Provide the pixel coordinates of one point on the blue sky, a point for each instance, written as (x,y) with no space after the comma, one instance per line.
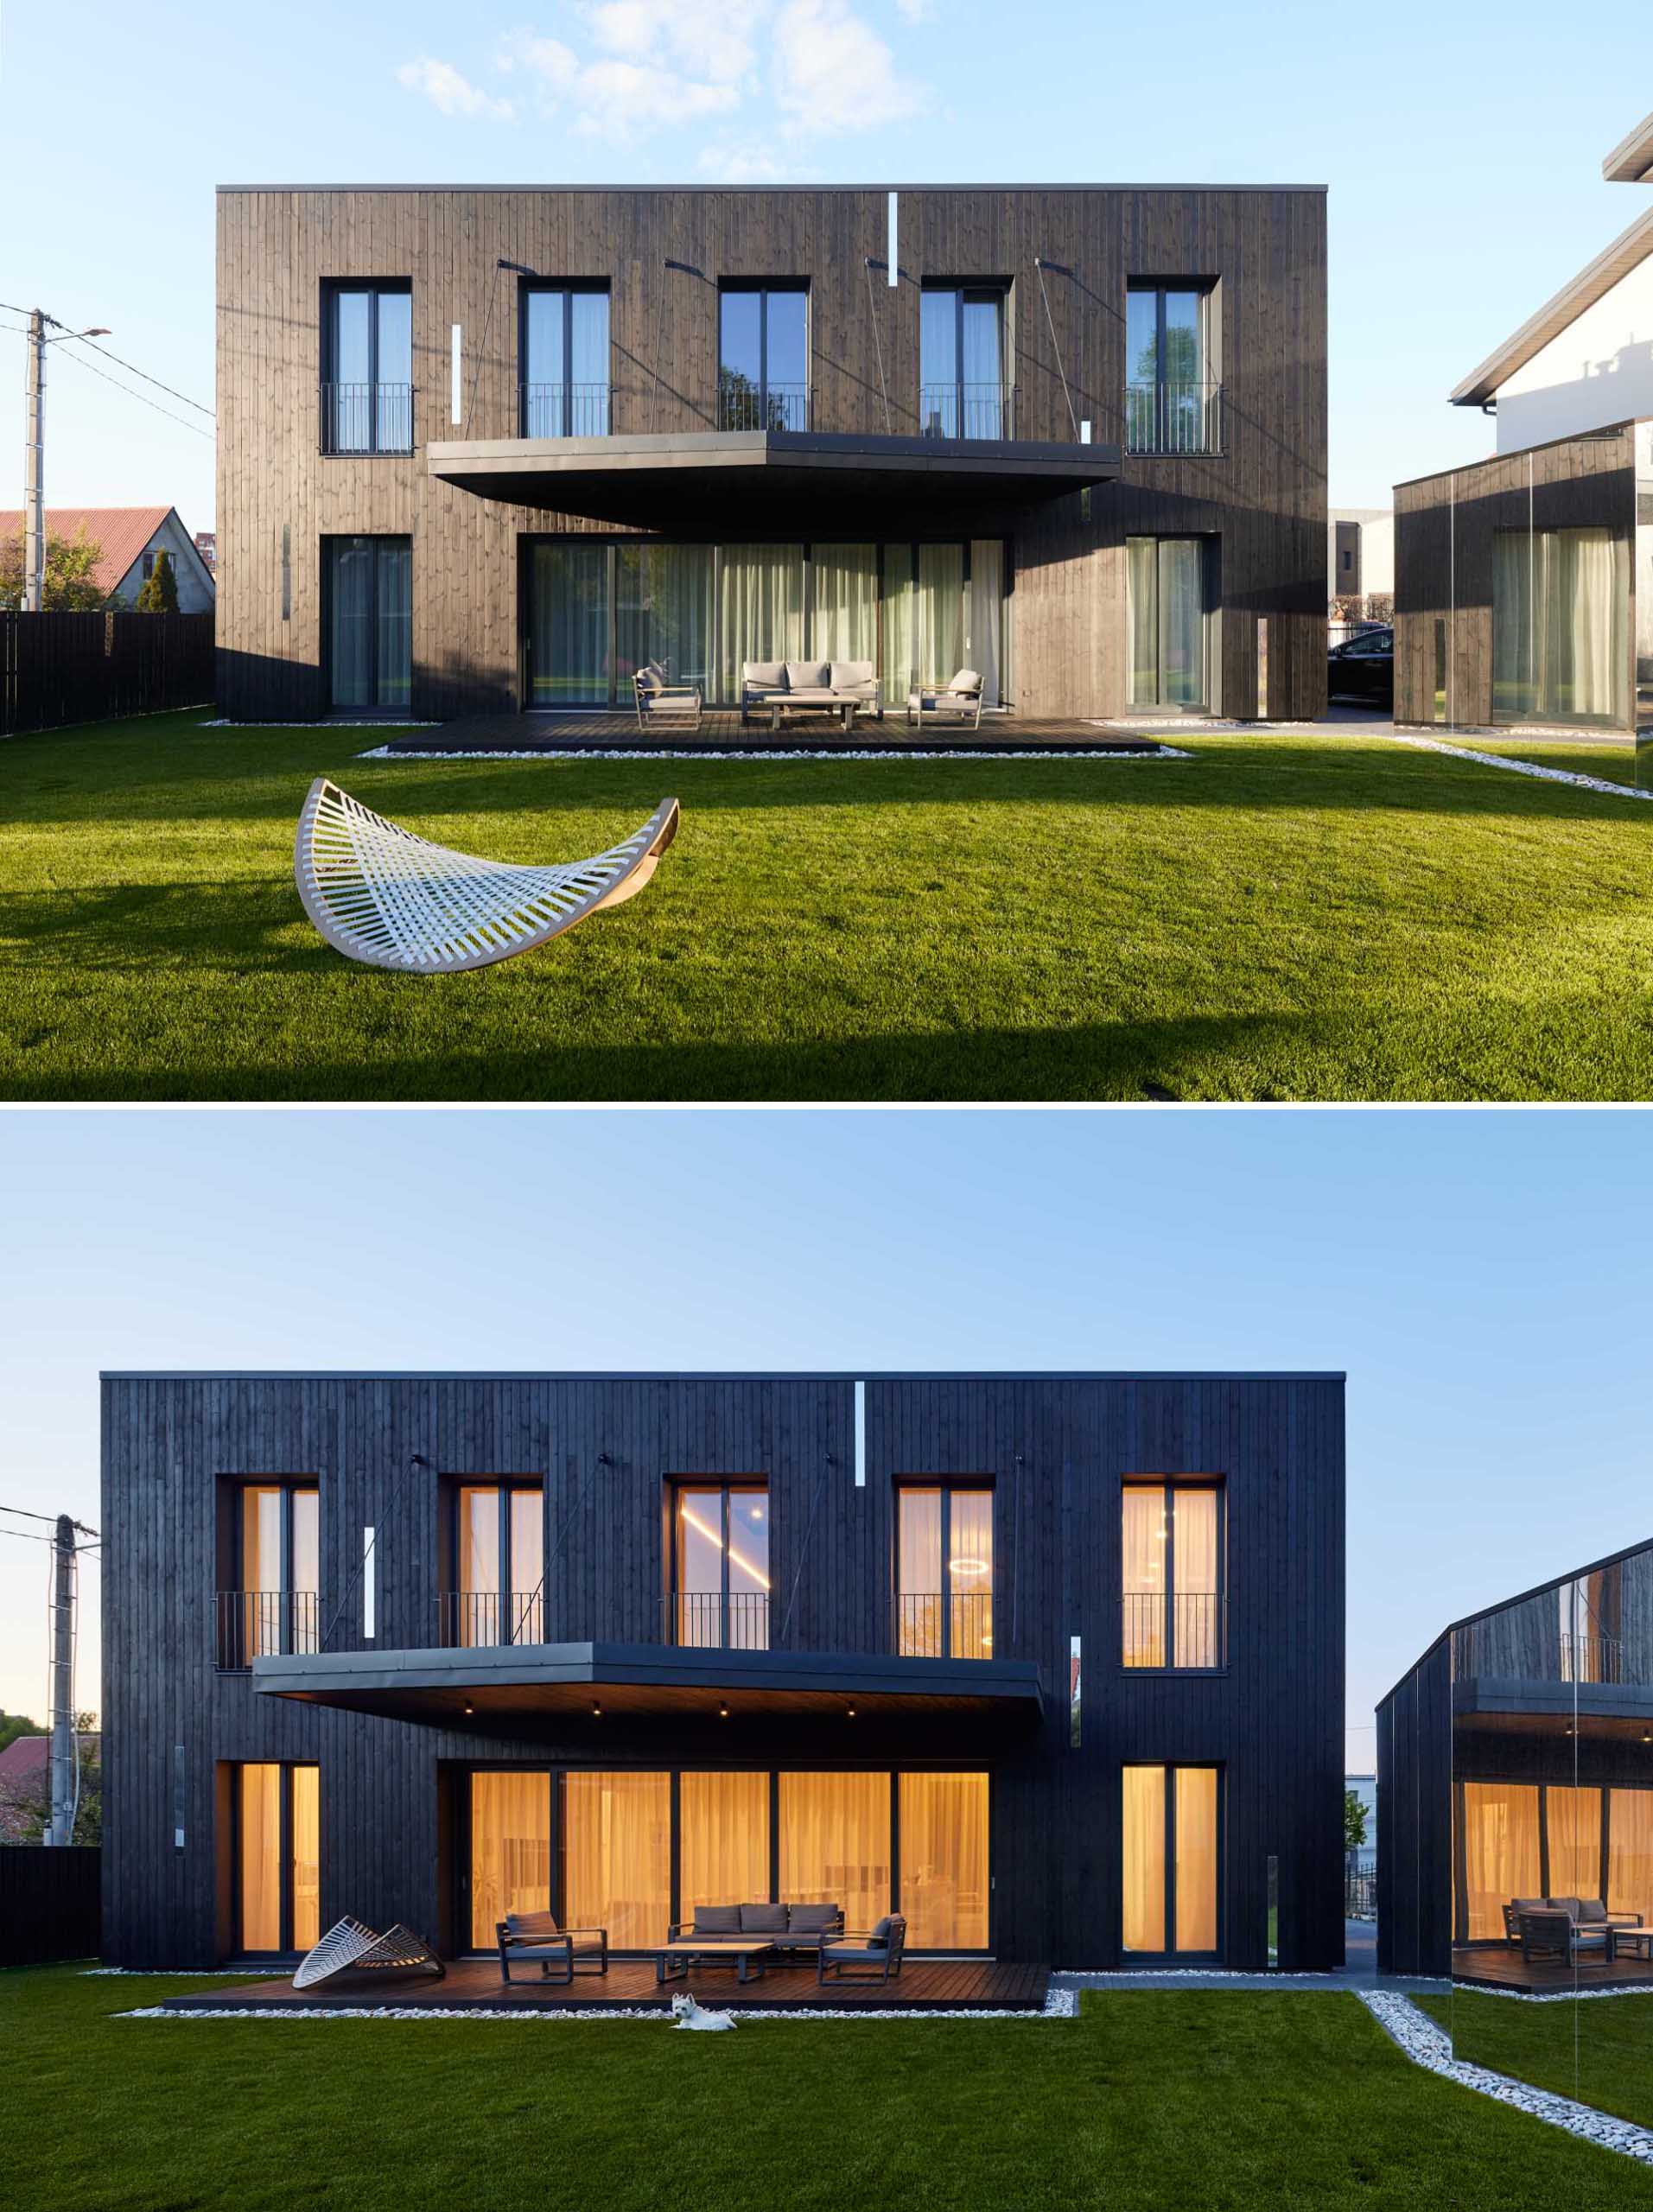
(1463,153)
(1483,1276)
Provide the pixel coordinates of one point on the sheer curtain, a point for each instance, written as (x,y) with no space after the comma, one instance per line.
(511,1849)
(844,602)
(664,611)
(1142,1575)
(351,643)
(1629,1851)
(970,1574)
(1560,628)
(1142,619)
(835,1843)
(944,1861)
(941,611)
(304,1577)
(306,1857)
(1143,1916)
(260,1884)
(617,1855)
(1500,1851)
(1195,1858)
(1514,689)
(760,608)
(1182,621)
(525,1615)
(1574,1817)
(568,618)
(1194,1602)
(897,672)
(395,684)
(722,1840)
(984,645)
(919,1569)
(260,1571)
(478,1595)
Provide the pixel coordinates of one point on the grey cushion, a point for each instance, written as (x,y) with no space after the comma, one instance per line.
(1568,1905)
(763,1920)
(808,675)
(851,675)
(763,674)
(811,1919)
(1593,1909)
(717,1920)
(880,1938)
(532,1927)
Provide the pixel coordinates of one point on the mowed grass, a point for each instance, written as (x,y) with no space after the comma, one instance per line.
(1615,763)
(1290,917)
(1600,2050)
(1207,2101)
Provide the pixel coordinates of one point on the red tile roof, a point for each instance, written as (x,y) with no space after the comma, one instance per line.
(25,1761)
(122,533)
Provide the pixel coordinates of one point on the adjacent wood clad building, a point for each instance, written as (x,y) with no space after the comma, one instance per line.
(1255,1714)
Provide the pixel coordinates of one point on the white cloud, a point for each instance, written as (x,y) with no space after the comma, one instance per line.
(614,99)
(916,11)
(738,165)
(444,87)
(712,40)
(833,72)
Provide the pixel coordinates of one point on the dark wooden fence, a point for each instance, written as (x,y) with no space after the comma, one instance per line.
(51,1900)
(57,669)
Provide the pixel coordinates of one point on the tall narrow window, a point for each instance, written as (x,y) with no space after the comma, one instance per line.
(1166,622)
(1173,1600)
(1170,1847)
(564,353)
(763,365)
(1170,401)
(944,1819)
(498,1557)
(944,1571)
(963,388)
(616,1833)
(719,1593)
(276,1832)
(511,1849)
(276,1543)
(367,368)
(369,624)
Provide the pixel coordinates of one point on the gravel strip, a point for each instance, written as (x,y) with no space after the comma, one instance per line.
(704,752)
(1526,767)
(1059,2004)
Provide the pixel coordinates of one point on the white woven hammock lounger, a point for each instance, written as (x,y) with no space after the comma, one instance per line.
(380,895)
(351,1947)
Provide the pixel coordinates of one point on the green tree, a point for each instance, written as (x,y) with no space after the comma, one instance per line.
(71,585)
(13,1724)
(1354,1821)
(160,593)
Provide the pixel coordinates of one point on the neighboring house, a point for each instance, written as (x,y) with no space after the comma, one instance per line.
(207,546)
(612,1644)
(130,538)
(1514,1762)
(1078,446)
(26,1784)
(1360,558)
(1525,582)
(1364,1857)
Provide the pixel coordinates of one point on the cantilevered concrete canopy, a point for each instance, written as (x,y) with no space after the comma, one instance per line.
(784,478)
(509,1684)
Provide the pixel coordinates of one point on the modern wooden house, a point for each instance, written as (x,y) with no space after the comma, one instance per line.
(1515,1766)
(1052,1665)
(486,449)
(1524,583)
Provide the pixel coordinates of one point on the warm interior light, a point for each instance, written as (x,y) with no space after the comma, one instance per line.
(968,1565)
(850,1713)
(736,1559)
(596,1712)
(470,1709)
(722,1712)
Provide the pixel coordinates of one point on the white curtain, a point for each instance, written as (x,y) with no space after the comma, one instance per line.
(898,670)
(664,611)
(1500,1851)
(1196,1859)
(835,1843)
(1629,1851)
(844,602)
(984,647)
(1142,619)
(941,611)
(307,1858)
(1143,1900)
(722,1840)
(760,608)
(511,1849)
(260,1884)
(1194,1639)
(1561,625)
(944,1861)
(1142,1542)
(569,616)
(617,1856)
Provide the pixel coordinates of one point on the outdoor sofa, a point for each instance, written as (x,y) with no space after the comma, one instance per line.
(873,1957)
(1562,1928)
(801,1927)
(810,687)
(561,1952)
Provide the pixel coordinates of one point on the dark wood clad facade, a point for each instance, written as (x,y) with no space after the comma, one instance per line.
(1056,1449)
(1444,531)
(663,254)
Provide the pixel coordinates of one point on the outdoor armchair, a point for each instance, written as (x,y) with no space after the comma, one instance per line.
(660,699)
(537,1935)
(960,696)
(1554,1933)
(873,1957)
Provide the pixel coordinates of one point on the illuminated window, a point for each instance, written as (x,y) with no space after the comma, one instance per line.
(944,1571)
(277,1846)
(719,1591)
(498,1555)
(1173,1600)
(1169,1838)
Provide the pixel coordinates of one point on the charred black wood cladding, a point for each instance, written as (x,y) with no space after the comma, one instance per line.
(1056,1449)
(663,254)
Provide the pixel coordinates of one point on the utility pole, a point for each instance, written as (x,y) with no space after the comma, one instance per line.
(65,1752)
(34,466)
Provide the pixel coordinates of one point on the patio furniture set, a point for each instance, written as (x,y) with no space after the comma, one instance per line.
(1566,1929)
(783,689)
(747,1937)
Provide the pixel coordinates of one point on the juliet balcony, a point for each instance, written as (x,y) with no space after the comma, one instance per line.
(1174,418)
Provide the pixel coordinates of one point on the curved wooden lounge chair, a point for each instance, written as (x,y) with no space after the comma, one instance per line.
(380,895)
(351,1947)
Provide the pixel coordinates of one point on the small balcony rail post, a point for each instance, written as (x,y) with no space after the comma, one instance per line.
(1196,1626)
(1174,418)
(471,1619)
(255,1623)
(707,1620)
(742,406)
(966,411)
(564,410)
(366,418)
(944,1624)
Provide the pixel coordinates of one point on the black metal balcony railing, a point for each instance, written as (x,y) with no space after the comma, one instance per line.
(1187,1629)
(1174,418)
(1592,1659)
(706,1620)
(366,418)
(253,1624)
(763,407)
(944,1625)
(565,410)
(470,1617)
(966,411)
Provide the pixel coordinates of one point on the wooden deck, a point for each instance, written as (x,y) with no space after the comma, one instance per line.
(473,1985)
(1498,1967)
(722,731)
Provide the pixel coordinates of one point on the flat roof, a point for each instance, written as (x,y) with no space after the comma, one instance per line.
(702,190)
(1631,159)
(721,1374)
(1628,250)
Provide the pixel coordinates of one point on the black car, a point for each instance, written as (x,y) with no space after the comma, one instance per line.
(1363,667)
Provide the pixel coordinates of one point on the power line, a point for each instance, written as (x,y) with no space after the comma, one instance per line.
(24,1512)
(141,397)
(148,378)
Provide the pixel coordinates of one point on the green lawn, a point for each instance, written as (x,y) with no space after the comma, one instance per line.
(1600,2051)
(1316,916)
(1616,763)
(1193,2102)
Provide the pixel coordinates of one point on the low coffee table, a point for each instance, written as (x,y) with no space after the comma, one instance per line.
(673,1961)
(1629,1942)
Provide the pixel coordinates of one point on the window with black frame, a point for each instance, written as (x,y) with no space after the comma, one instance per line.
(273,1531)
(275,1887)
(763,357)
(944,1570)
(964,388)
(370,622)
(718,1595)
(498,1549)
(367,369)
(1172,401)
(565,361)
(1172,1581)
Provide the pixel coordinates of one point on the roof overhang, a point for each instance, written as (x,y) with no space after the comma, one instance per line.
(1631,159)
(785,478)
(547,1684)
(1628,250)
(1525,1706)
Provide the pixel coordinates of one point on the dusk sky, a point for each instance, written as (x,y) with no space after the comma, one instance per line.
(1482,1277)
(1463,155)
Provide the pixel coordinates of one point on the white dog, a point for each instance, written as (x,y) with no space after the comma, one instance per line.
(688,2014)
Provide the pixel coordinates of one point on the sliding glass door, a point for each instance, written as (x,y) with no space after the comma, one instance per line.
(568,641)
(1165,608)
(664,613)
(1560,626)
(759,609)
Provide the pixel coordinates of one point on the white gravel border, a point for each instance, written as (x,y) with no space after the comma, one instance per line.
(1525,767)
(377,721)
(702,752)
(1430,2046)
(1059,2004)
